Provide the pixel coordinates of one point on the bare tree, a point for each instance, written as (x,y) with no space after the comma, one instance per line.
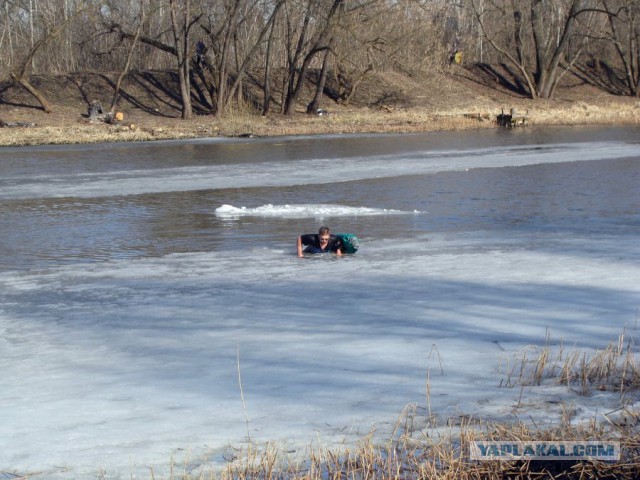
(314,105)
(226,50)
(7,36)
(266,88)
(535,36)
(21,73)
(624,21)
(180,31)
(177,46)
(237,32)
(243,61)
(351,56)
(372,37)
(310,42)
(275,44)
(124,71)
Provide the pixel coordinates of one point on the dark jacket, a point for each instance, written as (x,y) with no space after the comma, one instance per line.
(311,243)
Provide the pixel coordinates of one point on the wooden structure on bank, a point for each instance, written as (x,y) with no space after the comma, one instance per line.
(512,119)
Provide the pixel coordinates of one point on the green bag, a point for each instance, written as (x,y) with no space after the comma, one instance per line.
(350,242)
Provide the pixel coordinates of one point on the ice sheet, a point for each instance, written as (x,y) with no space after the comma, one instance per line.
(125,364)
(297,172)
(113,367)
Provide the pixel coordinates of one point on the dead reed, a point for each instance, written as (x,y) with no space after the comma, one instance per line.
(614,368)
(429,455)
(441,452)
(419,449)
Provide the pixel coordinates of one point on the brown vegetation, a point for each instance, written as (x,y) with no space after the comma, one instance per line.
(421,449)
(460,98)
(375,66)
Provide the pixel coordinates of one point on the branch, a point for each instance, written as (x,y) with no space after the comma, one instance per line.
(21,71)
(517,64)
(126,66)
(117,28)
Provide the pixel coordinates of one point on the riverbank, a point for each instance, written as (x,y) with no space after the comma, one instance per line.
(395,104)
(341,122)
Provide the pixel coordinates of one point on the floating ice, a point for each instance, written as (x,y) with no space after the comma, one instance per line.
(304,211)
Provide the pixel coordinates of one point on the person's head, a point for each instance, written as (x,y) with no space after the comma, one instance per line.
(323,235)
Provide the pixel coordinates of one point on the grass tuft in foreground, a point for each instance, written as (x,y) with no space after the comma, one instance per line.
(419,449)
(444,457)
(444,453)
(614,368)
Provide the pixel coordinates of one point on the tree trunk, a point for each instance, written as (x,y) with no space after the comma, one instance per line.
(116,91)
(241,68)
(266,103)
(46,106)
(294,75)
(518,31)
(322,41)
(181,39)
(7,30)
(547,58)
(540,43)
(223,68)
(186,65)
(314,105)
(32,15)
(296,89)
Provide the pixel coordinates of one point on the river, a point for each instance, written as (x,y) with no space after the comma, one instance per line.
(138,280)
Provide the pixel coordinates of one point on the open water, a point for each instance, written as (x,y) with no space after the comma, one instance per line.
(66,204)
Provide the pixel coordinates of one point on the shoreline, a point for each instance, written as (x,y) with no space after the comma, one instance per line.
(71,128)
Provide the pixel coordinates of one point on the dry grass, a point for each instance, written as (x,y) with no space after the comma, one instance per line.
(353,121)
(343,121)
(388,102)
(427,455)
(614,368)
(585,113)
(442,452)
(417,450)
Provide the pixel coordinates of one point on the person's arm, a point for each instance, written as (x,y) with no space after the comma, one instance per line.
(299,244)
(338,247)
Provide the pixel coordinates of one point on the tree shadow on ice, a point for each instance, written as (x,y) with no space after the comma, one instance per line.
(175,334)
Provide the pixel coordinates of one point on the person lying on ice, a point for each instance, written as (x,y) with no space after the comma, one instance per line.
(323,242)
